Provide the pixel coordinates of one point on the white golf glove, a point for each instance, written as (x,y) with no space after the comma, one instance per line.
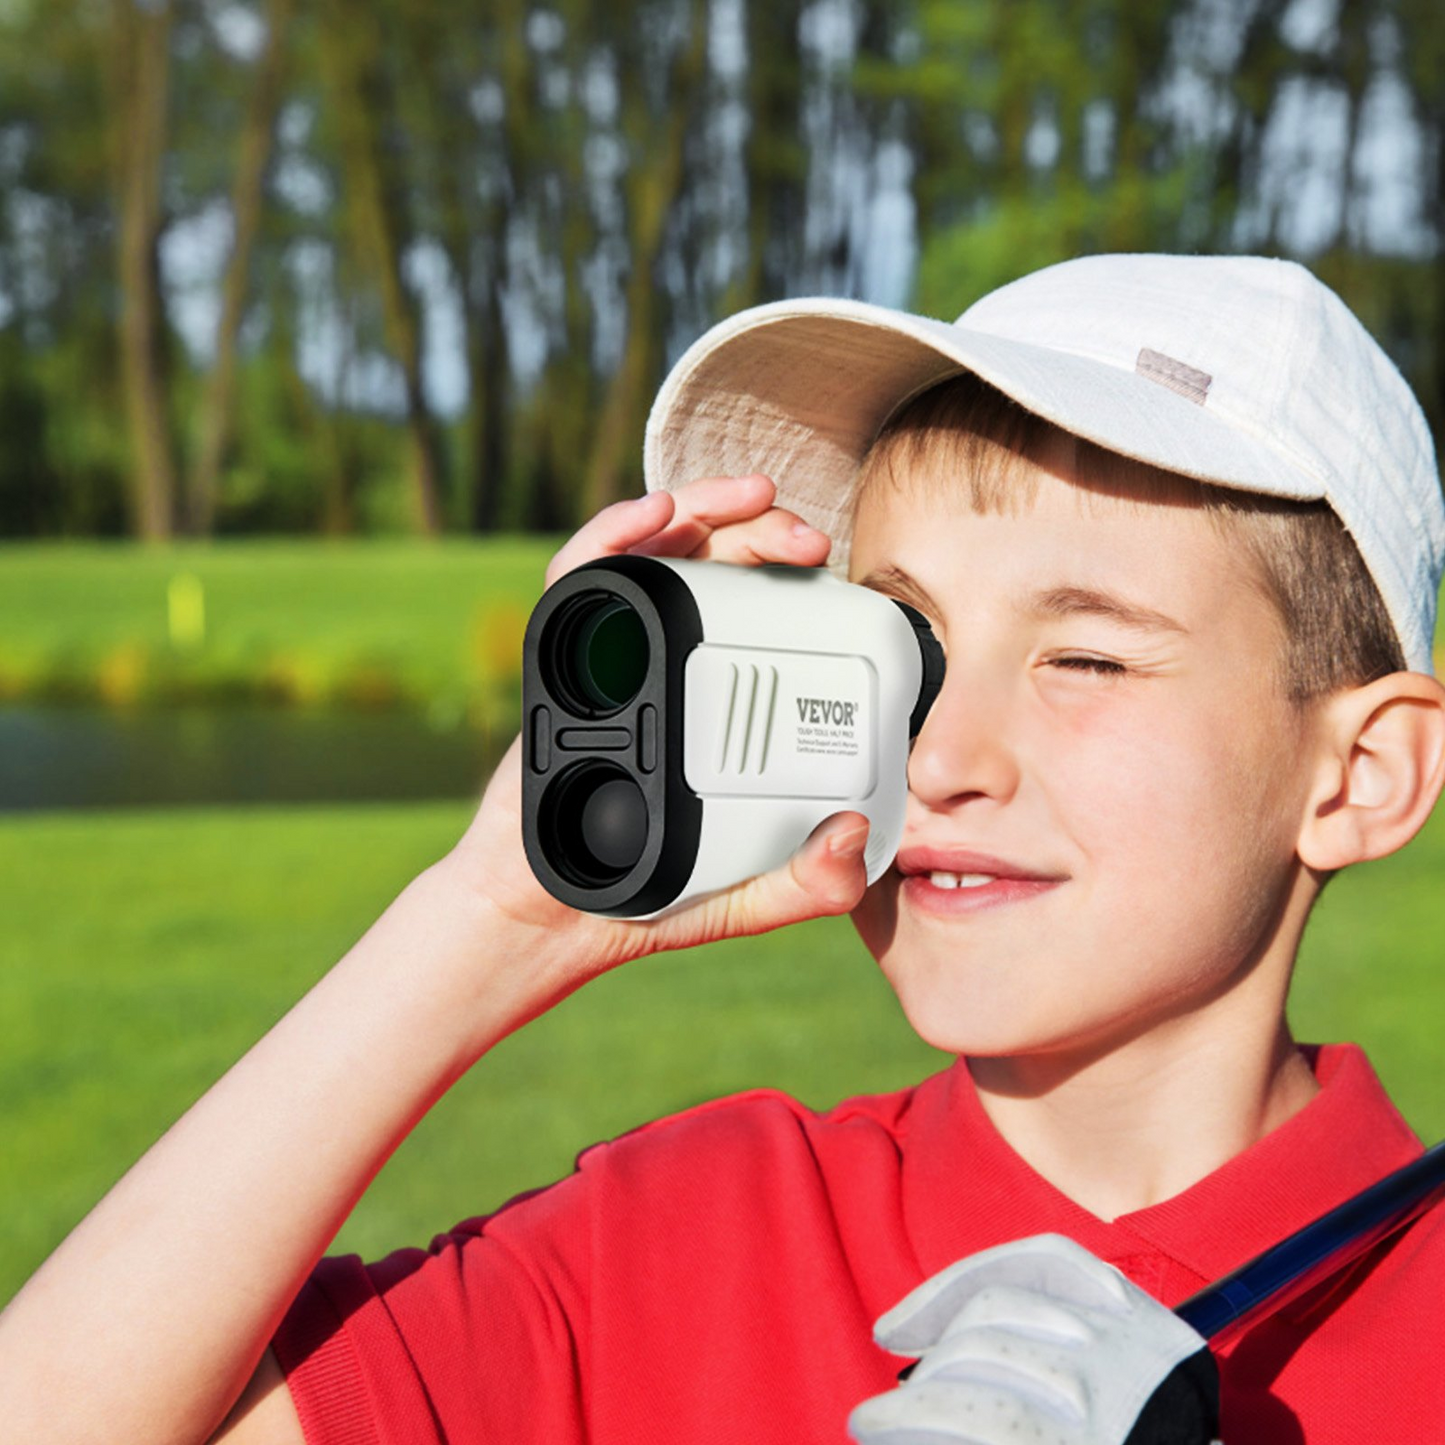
(1038,1342)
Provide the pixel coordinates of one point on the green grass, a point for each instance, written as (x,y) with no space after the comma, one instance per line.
(1372,969)
(301,621)
(143,952)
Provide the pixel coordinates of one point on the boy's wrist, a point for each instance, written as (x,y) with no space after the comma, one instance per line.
(499,970)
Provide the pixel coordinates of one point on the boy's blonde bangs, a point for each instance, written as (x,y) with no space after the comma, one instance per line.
(965,436)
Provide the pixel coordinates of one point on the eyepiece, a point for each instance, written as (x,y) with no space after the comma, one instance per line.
(596,653)
(594,824)
(933,666)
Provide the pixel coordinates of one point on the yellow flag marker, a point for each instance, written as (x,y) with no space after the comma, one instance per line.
(186,611)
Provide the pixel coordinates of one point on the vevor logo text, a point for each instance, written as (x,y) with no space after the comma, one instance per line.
(826,710)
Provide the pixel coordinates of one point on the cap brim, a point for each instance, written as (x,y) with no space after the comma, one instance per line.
(799,390)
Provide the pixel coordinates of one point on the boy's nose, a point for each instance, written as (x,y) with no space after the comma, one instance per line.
(963,748)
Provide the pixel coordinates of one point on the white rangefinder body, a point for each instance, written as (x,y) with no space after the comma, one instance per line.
(768,699)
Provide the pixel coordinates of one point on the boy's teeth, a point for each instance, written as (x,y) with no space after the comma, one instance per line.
(960,880)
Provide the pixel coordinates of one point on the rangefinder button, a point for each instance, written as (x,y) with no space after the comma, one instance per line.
(647,738)
(541,739)
(594,740)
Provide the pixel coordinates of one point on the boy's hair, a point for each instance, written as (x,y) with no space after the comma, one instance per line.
(969,436)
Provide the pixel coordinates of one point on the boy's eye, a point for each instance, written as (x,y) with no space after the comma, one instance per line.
(1077,663)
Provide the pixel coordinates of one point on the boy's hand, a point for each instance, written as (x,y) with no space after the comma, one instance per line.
(724,519)
(1038,1340)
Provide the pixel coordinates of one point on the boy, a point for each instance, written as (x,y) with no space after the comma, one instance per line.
(1160,733)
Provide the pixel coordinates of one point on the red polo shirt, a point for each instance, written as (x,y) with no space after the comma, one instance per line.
(714,1277)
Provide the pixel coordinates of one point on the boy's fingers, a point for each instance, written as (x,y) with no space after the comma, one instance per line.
(720,519)
(668,524)
(612,531)
(706,504)
(776,536)
(716,501)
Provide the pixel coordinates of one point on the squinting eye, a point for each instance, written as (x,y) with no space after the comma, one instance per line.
(1091,664)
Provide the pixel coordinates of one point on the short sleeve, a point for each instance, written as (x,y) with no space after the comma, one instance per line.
(710,1277)
(479,1337)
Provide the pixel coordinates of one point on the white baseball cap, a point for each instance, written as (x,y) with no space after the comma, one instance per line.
(1238,370)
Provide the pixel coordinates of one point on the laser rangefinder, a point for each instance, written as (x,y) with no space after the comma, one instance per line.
(687,724)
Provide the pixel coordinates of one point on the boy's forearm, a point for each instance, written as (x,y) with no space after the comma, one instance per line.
(146,1323)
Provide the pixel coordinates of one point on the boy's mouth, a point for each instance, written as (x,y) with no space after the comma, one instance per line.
(950,881)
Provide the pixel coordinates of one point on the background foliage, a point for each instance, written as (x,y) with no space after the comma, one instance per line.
(326,266)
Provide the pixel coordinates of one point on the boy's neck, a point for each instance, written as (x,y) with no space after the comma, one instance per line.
(1128,1128)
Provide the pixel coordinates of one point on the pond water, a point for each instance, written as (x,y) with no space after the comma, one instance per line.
(84,757)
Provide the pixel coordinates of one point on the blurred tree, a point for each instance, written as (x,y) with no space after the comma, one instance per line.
(1412,29)
(57,275)
(437,274)
(656,121)
(542,236)
(30,496)
(252,154)
(139,88)
(1038,136)
(776,164)
(353,43)
(450,93)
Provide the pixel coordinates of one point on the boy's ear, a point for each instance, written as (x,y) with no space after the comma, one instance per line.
(1381,751)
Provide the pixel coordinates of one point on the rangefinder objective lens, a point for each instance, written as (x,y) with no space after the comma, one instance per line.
(594,824)
(614,824)
(597,654)
(611,657)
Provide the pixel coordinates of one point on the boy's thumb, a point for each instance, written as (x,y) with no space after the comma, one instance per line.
(826,875)
(829,867)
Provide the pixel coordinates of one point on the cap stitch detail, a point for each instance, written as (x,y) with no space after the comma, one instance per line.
(1186,381)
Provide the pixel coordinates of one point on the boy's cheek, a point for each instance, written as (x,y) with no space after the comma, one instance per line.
(1117,769)
(876,916)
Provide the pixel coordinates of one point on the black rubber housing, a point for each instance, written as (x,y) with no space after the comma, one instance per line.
(933,665)
(673,625)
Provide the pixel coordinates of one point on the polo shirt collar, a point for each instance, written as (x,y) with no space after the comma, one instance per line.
(966,1189)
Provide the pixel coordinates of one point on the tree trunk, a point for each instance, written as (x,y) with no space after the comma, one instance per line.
(541,148)
(473,233)
(489,368)
(480,284)
(219,402)
(353,65)
(654,185)
(139,78)
(775,163)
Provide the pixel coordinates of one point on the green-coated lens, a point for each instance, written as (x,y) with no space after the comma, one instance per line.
(609,657)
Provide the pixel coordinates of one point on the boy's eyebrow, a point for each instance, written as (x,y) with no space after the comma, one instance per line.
(912,589)
(1091,602)
(1048,602)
